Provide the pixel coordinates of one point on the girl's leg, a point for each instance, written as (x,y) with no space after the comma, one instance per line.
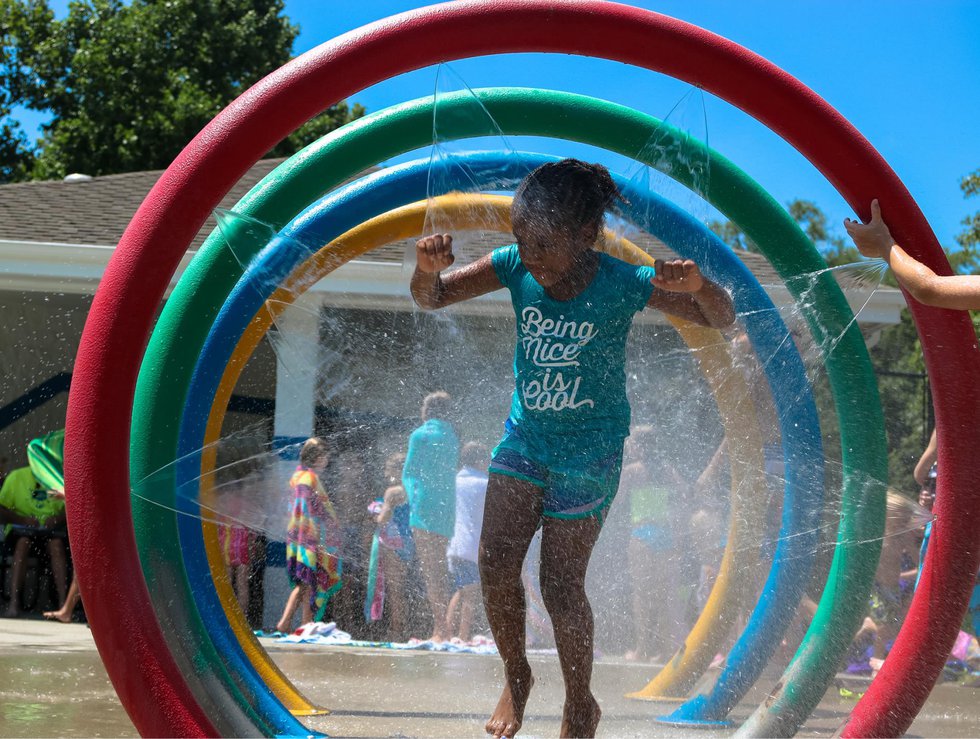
(64,613)
(431,550)
(395,574)
(641,575)
(510,518)
(304,598)
(469,599)
(59,566)
(453,613)
(240,575)
(18,571)
(566,546)
(286,622)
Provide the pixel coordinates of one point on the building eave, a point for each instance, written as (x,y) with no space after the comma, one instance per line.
(30,266)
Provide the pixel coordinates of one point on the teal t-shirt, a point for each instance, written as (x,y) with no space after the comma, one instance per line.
(570,357)
(429,477)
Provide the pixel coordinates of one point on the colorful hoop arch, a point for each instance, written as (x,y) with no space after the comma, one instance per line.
(118,325)
(573,104)
(742,200)
(406,127)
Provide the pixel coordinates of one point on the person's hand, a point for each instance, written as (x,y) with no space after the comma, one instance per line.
(384,515)
(678,276)
(872,239)
(434,253)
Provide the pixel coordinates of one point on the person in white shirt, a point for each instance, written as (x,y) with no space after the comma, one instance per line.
(463,550)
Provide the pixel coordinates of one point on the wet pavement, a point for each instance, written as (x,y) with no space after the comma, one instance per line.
(52,683)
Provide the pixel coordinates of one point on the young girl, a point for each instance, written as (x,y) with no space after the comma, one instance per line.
(558,463)
(392,550)
(873,239)
(313,538)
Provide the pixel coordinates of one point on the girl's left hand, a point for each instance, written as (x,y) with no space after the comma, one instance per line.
(678,276)
(872,239)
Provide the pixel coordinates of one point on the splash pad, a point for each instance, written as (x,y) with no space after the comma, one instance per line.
(151,686)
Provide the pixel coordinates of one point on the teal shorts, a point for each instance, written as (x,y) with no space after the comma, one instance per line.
(578,476)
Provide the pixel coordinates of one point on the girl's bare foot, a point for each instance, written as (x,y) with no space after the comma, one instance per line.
(58,615)
(283,627)
(509,714)
(580,719)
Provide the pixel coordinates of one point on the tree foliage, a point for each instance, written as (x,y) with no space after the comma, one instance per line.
(127,86)
(969,238)
(808,215)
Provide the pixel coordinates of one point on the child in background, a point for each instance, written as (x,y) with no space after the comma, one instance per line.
(652,488)
(558,463)
(873,239)
(35,518)
(392,549)
(313,538)
(471,493)
(895,575)
(232,475)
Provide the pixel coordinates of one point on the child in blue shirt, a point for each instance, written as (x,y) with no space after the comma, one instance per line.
(559,461)
(429,479)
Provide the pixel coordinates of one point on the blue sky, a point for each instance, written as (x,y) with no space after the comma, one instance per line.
(905,73)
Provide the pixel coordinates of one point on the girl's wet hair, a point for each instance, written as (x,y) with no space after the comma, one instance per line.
(313,449)
(570,194)
(437,405)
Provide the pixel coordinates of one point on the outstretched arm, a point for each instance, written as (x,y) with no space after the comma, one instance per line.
(431,290)
(926,461)
(681,290)
(873,239)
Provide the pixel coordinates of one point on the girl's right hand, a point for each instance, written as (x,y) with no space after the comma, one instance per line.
(434,253)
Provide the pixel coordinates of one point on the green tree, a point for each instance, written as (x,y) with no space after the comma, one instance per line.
(733,236)
(16,21)
(808,215)
(835,249)
(969,239)
(129,85)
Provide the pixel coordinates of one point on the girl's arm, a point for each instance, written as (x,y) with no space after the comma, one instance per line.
(873,239)
(681,290)
(926,461)
(430,290)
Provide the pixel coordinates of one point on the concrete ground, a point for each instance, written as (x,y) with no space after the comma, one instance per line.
(52,683)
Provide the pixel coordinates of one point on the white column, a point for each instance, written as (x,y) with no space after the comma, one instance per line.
(297,347)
